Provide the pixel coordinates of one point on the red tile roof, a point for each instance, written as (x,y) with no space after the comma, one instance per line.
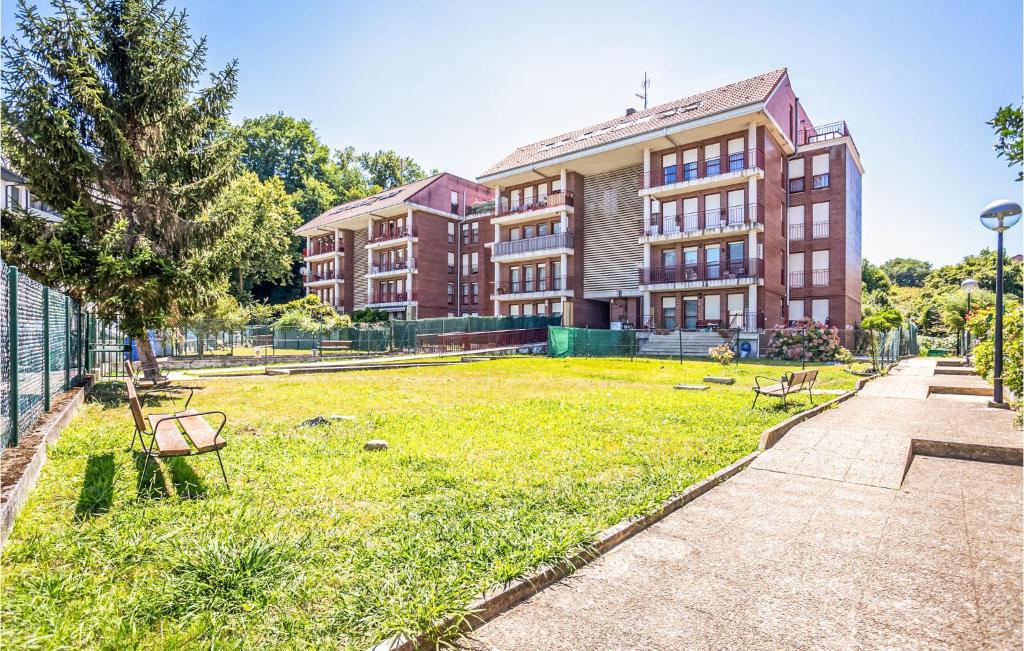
(385,199)
(741,93)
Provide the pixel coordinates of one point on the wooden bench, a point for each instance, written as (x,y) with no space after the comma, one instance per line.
(335,344)
(156,382)
(165,433)
(788,384)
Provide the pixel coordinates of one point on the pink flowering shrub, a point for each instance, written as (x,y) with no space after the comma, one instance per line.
(807,341)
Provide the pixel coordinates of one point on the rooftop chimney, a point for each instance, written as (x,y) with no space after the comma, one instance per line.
(630,111)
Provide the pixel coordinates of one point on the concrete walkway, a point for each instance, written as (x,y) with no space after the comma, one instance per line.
(822,543)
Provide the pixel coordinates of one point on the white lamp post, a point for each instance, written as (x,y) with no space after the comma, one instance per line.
(999,216)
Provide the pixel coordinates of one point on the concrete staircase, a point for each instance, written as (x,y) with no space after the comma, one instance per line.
(694,344)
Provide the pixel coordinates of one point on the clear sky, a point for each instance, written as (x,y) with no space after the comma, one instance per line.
(457,85)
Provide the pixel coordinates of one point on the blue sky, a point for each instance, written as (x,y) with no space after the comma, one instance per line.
(457,85)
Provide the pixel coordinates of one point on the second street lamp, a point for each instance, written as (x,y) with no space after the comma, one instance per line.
(969,286)
(999,216)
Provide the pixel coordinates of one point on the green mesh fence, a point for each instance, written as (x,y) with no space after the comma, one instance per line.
(585,342)
(41,344)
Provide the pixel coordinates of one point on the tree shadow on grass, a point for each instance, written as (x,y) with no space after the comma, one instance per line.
(97,487)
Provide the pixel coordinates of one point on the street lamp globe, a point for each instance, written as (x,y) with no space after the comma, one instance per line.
(969,285)
(1000,215)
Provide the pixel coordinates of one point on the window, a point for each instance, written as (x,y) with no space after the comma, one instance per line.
(556,276)
(528,197)
(556,309)
(542,278)
(556,226)
(465,264)
(474,293)
(542,309)
(527,232)
(736,157)
(514,233)
(819,268)
(796,269)
(668,312)
(451,262)
(474,262)
(712,160)
(528,278)
(513,310)
(515,199)
(819,170)
(556,186)
(528,309)
(465,233)
(819,219)
(795,220)
(476,232)
(712,210)
(13,197)
(451,232)
(796,175)
(736,257)
(542,194)
(689,220)
(668,221)
(712,307)
(819,310)
(513,278)
(465,294)
(668,258)
(734,303)
(668,168)
(736,211)
(796,310)
(689,164)
(455,202)
(451,293)
(542,229)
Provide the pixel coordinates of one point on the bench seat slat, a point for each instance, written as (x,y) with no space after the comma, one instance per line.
(202,435)
(169,440)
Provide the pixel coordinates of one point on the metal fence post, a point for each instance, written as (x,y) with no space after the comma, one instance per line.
(12,317)
(67,343)
(46,349)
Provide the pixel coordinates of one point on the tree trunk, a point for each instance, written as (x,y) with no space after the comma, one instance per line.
(241,284)
(147,357)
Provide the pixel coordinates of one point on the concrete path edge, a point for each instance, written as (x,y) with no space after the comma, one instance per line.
(51,429)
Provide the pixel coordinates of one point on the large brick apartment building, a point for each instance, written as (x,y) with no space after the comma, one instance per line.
(416,251)
(728,208)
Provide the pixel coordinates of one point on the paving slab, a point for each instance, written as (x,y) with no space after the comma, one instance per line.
(822,542)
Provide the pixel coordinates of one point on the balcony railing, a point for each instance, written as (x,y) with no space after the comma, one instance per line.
(531,244)
(734,216)
(378,296)
(555,199)
(555,284)
(822,133)
(820,277)
(320,248)
(393,234)
(680,172)
(819,229)
(796,231)
(797,279)
(396,265)
(330,274)
(745,320)
(685,273)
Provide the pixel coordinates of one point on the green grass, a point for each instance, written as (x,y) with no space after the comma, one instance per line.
(494,468)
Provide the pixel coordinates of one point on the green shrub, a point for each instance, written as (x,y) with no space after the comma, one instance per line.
(1013,347)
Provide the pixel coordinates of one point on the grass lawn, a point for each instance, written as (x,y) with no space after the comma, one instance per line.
(494,468)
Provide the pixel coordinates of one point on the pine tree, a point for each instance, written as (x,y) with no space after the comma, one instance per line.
(104,114)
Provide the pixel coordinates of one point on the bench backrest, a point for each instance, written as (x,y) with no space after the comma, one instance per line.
(133,399)
(799,378)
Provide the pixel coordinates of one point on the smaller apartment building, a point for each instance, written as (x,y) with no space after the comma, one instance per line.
(416,251)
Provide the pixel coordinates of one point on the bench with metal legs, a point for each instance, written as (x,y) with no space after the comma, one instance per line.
(165,437)
(789,384)
(156,384)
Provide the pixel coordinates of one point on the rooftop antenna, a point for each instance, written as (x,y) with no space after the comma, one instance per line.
(644,86)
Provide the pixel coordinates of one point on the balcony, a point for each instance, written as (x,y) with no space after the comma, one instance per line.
(797,279)
(820,277)
(710,222)
(706,274)
(533,288)
(796,231)
(391,236)
(819,229)
(322,276)
(322,248)
(711,173)
(395,267)
(533,246)
(533,208)
(385,297)
(822,133)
